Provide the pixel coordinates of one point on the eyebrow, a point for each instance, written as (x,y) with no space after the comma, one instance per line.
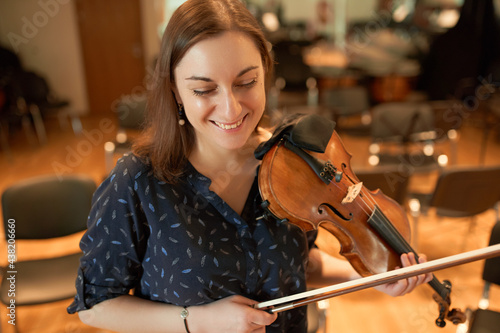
(206,79)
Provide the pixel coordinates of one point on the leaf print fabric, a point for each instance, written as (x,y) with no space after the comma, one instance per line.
(182,244)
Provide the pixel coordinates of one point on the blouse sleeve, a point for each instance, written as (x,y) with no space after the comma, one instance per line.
(114,244)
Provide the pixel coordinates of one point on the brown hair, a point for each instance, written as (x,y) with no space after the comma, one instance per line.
(164,143)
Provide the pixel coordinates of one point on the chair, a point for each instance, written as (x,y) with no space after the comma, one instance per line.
(449,117)
(10,67)
(349,102)
(290,64)
(460,192)
(483,319)
(295,83)
(36,99)
(403,132)
(392,181)
(130,110)
(44,208)
(491,120)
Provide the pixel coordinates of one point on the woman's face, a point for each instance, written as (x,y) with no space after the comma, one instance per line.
(220,82)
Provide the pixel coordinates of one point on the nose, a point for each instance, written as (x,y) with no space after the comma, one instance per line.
(230,105)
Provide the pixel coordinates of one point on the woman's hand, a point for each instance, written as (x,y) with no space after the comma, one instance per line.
(231,314)
(406,286)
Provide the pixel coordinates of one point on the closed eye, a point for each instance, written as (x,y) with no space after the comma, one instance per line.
(203,92)
(248,84)
(245,84)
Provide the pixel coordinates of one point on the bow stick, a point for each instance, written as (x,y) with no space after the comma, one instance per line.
(301,299)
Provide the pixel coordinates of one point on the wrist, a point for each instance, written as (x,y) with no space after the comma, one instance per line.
(184,316)
(197,321)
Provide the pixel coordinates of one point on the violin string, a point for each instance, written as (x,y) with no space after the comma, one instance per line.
(370,209)
(378,218)
(345,191)
(370,202)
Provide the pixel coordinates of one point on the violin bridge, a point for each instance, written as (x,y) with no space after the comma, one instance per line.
(352,192)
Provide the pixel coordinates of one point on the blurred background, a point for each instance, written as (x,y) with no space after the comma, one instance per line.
(413,86)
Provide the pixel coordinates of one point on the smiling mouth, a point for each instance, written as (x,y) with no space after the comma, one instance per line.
(229,126)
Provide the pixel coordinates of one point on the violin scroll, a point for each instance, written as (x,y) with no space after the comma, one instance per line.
(456,316)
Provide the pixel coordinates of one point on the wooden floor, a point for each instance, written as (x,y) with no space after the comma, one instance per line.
(360,312)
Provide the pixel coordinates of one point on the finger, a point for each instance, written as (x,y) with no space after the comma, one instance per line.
(412,258)
(422,258)
(399,287)
(427,277)
(405,260)
(407,285)
(243,300)
(412,283)
(422,278)
(262,318)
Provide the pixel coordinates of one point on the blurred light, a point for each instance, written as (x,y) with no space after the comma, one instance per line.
(121,137)
(373,160)
(271,21)
(311,83)
(400,13)
(366,118)
(429,135)
(484,303)
(442,160)
(453,134)
(448,18)
(374,148)
(428,149)
(414,205)
(280,83)
(109,147)
(462,328)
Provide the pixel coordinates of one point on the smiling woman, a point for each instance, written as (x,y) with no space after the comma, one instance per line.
(166,144)
(179,223)
(220,83)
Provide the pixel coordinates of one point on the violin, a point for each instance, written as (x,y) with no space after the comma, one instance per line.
(314,189)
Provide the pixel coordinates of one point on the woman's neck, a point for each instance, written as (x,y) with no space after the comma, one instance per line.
(232,172)
(212,161)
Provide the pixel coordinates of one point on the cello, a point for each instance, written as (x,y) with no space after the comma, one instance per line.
(305,179)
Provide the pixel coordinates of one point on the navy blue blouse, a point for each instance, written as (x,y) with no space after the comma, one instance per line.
(182,244)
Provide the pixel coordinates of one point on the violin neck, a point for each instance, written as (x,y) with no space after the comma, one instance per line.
(386,230)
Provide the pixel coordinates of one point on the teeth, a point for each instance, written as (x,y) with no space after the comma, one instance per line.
(221,125)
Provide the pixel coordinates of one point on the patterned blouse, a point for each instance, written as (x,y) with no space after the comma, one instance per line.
(182,244)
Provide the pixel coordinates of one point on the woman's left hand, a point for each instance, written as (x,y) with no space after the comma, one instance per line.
(405,286)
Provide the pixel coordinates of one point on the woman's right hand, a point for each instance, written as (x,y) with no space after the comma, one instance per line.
(233,314)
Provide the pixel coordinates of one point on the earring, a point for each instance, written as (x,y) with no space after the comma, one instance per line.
(181,115)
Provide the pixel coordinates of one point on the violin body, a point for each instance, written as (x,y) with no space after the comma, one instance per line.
(314,189)
(295,193)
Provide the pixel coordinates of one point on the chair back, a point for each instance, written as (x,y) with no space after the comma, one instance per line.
(48,206)
(491,272)
(390,180)
(401,121)
(290,65)
(131,111)
(35,89)
(345,101)
(464,192)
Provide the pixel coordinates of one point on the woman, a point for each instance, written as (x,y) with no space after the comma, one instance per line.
(174,243)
